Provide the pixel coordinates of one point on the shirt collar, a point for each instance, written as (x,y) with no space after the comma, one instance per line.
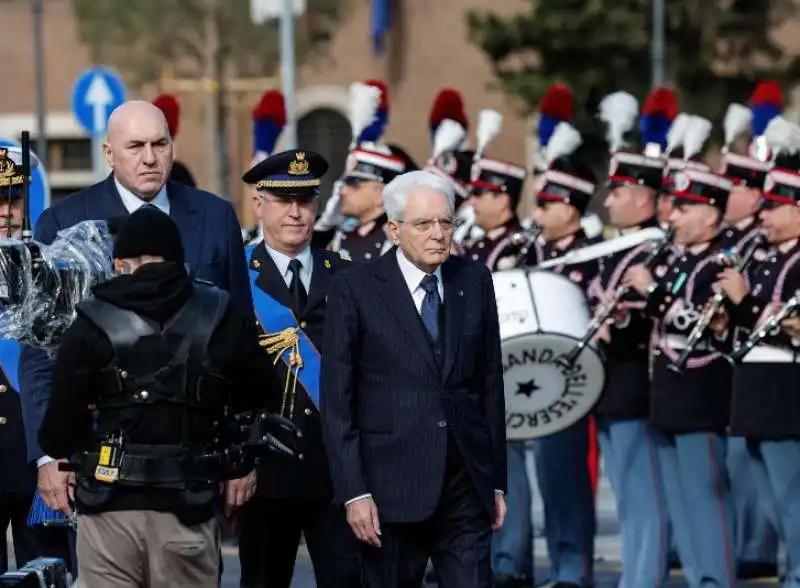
(412,274)
(133,203)
(282,260)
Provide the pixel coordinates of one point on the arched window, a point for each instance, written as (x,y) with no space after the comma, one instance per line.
(327,132)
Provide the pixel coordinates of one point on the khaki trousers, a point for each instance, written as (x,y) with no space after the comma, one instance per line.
(146,549)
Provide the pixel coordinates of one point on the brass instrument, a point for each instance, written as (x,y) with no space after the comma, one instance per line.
(526,238)
(729,259)
(788,310)
(604,311)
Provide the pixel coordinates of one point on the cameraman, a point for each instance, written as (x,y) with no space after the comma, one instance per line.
(163,359)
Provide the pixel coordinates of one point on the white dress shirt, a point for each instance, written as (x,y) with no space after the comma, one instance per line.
(282,263)
(414,276)
(133,203)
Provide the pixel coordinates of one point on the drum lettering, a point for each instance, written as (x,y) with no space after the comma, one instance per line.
(539,418)
(570,392)
(533,355)
(515,420)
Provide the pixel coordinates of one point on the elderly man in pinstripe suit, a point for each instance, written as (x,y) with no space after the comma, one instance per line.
(412,399)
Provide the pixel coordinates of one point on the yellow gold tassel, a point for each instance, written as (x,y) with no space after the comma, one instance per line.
(286,341)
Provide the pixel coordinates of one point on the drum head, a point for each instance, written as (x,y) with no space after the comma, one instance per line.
(543,396)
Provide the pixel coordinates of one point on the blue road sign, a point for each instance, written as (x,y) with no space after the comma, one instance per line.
(39,189)
(96,93)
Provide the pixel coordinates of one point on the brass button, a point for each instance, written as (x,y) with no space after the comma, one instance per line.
(3,420)
(3,388)
(303,324)
(301,457)
(307,412)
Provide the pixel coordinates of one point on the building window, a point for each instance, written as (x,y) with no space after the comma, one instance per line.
(327,132)
(69,155)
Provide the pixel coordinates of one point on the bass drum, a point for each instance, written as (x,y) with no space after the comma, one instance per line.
(542,317)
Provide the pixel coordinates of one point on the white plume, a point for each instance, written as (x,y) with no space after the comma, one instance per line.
(489,124)
(677,131)
(364,102)
(697,132)
(564,141)
(782,136)
(619,111)
(737,120)
(448,137)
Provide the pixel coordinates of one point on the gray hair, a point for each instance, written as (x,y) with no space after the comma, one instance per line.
(395,194)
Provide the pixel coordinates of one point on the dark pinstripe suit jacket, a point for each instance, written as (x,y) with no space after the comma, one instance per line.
(212,242)
(386,403)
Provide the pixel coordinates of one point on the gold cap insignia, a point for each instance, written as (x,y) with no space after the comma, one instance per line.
(299,167)
(8,171)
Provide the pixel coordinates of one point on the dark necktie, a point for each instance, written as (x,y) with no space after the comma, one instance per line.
(431,305)
(296,285)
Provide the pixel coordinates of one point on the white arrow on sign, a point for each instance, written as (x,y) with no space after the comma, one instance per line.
(99,96)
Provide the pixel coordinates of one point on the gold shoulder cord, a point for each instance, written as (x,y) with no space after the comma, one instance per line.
(286,341)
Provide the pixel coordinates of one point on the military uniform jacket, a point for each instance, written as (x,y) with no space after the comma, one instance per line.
(308,477)
(17,474)
(765,402)
(494,248)
(581,273)
(699,399)
(363,247)
(627,390)
(738,236)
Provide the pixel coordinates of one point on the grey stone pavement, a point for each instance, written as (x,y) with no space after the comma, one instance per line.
(607,548)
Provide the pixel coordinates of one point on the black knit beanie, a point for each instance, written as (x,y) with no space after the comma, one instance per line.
(148,231)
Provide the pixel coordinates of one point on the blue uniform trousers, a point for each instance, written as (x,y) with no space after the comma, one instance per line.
(755,539)
(630,461)
(562,472)
(512,545)
(776,468)
(699,504)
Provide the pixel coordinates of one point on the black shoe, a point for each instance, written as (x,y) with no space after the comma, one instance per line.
(674,562)
(750,570)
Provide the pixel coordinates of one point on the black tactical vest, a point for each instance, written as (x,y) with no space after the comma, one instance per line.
(165,397)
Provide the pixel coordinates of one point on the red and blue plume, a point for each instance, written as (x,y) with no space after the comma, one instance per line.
(375,130)
(447,104)
(269,118)
(171,108)
(557,105)
(659,110)
(766,103)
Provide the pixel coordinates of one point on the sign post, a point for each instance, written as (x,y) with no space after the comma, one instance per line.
(95,94)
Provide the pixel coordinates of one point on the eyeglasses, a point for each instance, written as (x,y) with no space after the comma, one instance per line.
(425,225)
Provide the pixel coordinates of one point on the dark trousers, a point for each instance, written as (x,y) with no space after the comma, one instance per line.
(457,539)
(270,535)
(29,542)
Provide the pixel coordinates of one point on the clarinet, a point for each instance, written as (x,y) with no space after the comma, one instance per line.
(758,335)
(605,311)
(702,324)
